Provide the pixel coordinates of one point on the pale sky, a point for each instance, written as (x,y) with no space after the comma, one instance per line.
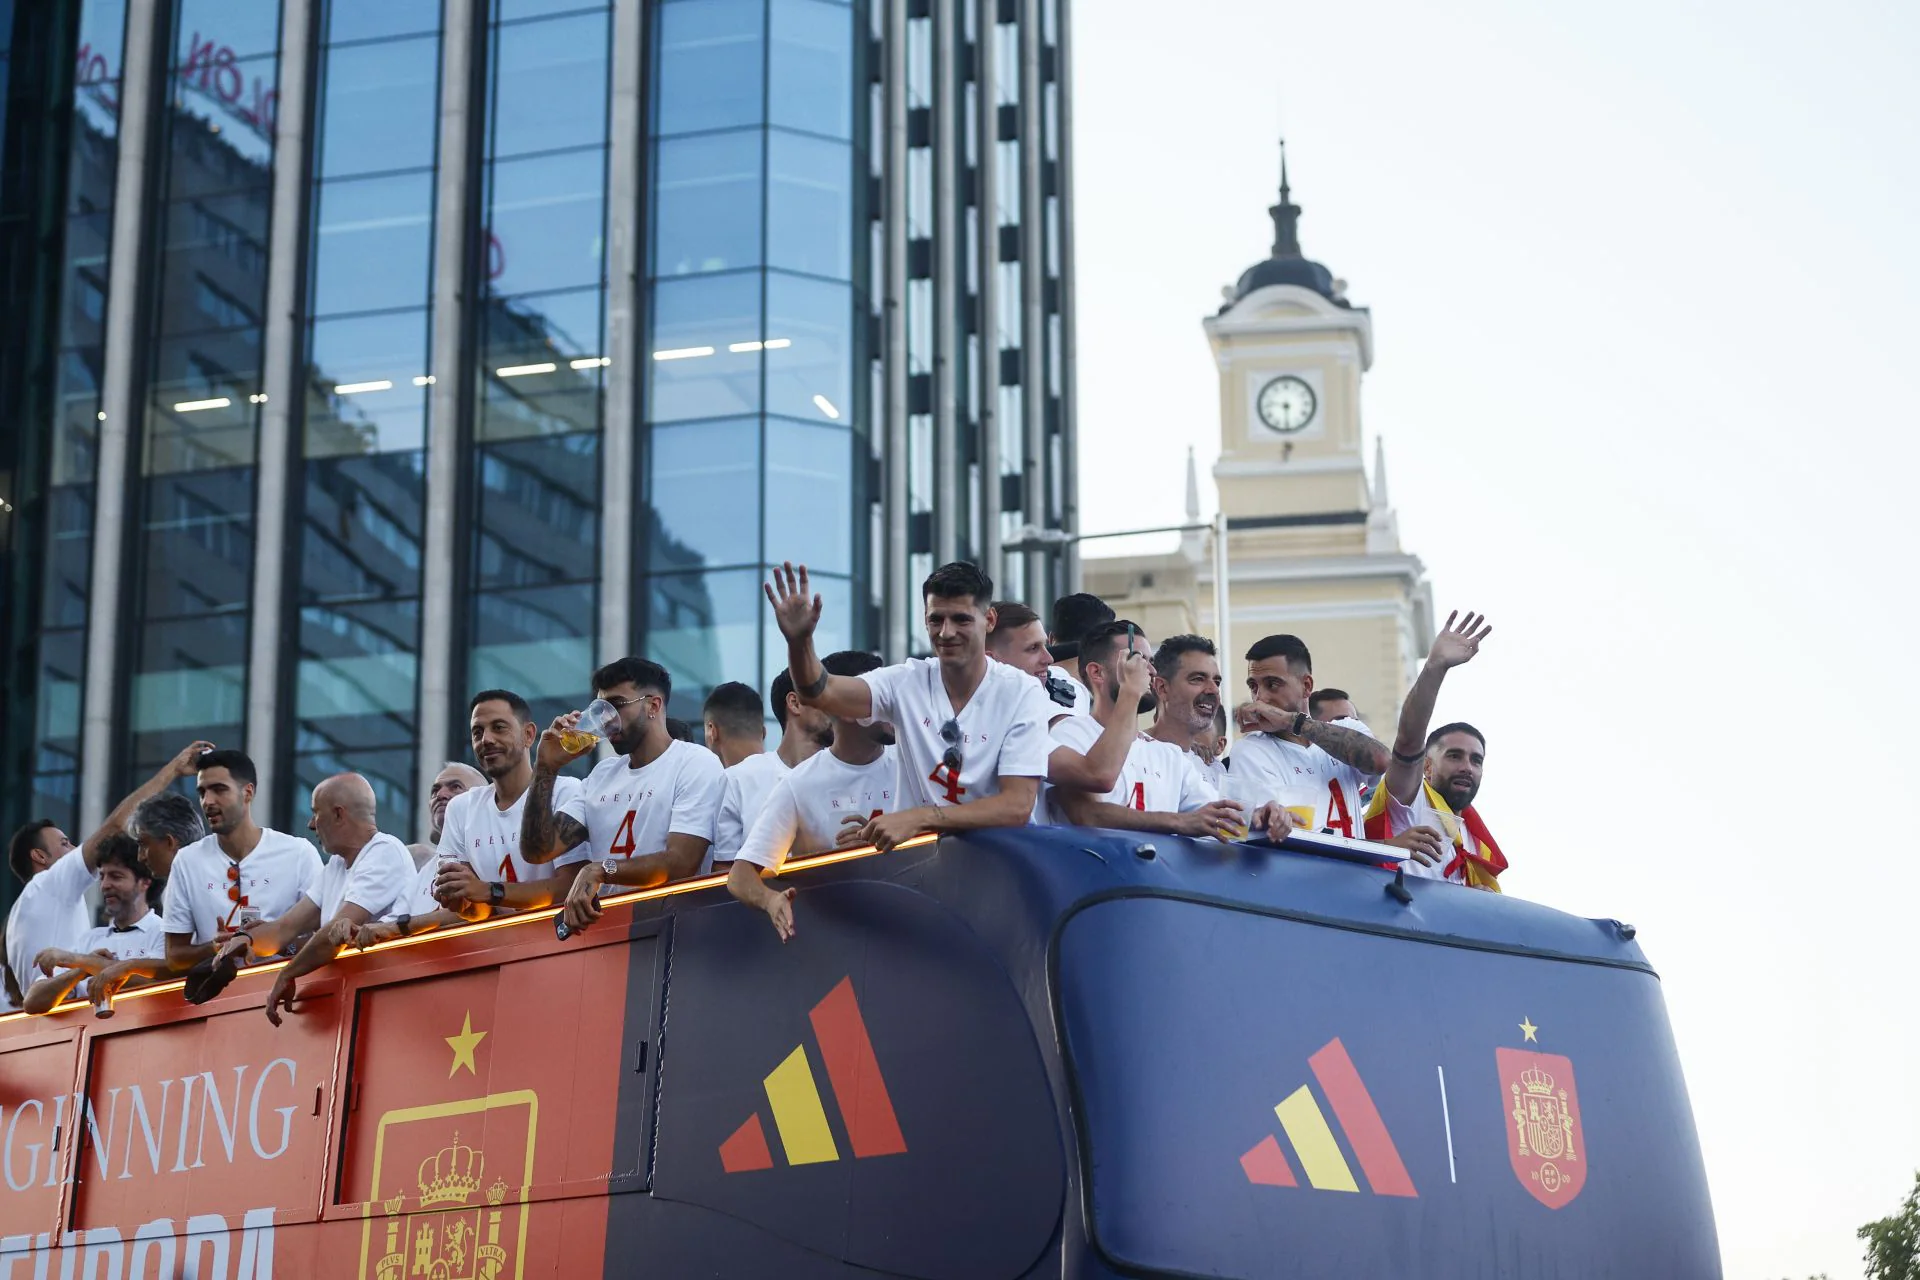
(1645,283)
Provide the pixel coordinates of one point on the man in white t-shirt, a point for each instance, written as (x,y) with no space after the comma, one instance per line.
(737,733)
(368,875)
(454,780)
(479,869)
(132,930)
(1186,684)
(1430,786)
(1019,639)
(51,910)
(1073,617)
(1313,771)
(972,733)
(824,803)
(1162,787)
(647,812)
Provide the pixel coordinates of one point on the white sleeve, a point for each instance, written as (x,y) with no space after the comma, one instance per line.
(774,831)
(883,686)
(67,881)
(175,906)
(696,796)
(381,878)
(575,805)
(1027,741)
(728,828)
(564,790)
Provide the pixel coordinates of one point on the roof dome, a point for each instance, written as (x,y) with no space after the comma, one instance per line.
(1287,265)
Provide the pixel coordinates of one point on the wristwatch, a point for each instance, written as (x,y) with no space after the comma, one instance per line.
(496,893)
(404,924)
(608,866)
(1299,723)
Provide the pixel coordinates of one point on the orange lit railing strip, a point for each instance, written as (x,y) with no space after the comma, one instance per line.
(497,922)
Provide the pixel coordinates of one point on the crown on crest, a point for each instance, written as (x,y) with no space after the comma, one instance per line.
(1536,1081)
(452,1175)
(497,1193)
(395,1205)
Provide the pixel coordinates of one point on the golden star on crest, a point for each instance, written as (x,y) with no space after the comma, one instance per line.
(1526,1028)
(463,1046)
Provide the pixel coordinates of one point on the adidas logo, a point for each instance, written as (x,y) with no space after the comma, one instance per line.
(1314,1144)
(799,1115)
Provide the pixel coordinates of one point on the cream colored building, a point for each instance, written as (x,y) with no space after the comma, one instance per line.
(1313,547)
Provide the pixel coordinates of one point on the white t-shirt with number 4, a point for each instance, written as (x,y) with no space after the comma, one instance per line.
(1157,777)
(477,829)
(1302,777)
(630,812)
(1002,730)
(808,807)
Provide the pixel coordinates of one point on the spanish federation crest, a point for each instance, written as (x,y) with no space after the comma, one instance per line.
(1543,1125)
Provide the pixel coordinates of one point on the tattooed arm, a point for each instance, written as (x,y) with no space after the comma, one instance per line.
(1349,746)
(544,834)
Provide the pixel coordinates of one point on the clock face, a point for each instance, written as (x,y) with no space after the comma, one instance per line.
(1287,404)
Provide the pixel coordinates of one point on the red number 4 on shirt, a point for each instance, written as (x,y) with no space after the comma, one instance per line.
(622,846)
(942,776)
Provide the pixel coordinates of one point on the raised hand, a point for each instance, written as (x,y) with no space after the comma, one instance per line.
(1456,644)
(553,754)
(1136,677)
(187,763)
(1258,717)
(795,607)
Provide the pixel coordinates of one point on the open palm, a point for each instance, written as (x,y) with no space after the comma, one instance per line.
(795,607)
(1458,643)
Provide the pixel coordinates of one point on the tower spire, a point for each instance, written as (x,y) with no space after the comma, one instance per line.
(1193,488)
(1286,215)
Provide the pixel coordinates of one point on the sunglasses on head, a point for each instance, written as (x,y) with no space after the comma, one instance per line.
(950,734)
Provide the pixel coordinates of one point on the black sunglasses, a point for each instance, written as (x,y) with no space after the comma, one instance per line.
(950,734)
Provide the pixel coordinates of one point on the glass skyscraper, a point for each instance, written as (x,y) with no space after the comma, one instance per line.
(359,354)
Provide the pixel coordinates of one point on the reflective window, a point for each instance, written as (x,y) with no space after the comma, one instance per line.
(810,75)
(710,72)
(546,221)
(707,347)
(541,372)
(812,377)
(707,203)
(810,205)
(551,84)
(704,488)
(378,106)
(373,243)
(377,19)
(809,491)
(361,537)
(190,681)
(364,393)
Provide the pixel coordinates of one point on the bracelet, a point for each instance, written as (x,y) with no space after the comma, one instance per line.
(1415,758)
(1299,722)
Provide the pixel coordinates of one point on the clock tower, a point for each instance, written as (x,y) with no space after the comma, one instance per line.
(1313,548)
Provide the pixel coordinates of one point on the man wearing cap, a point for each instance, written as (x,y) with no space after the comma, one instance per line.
(1073,617)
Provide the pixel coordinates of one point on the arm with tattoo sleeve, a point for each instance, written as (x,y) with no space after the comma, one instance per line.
(544,834)
(1349,746)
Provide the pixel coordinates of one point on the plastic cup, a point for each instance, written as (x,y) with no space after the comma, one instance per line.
(601,719)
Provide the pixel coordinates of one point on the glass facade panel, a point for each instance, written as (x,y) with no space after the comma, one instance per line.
(707,205)
(809,472)
(547,221)
(709,71)
(378,105)
(550,84)
(704,483)
(373,243)
(812,378)
(810,75)
(810,205)
(707,347)
(380,19)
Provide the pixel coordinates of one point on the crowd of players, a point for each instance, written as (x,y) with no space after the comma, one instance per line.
(1008,722)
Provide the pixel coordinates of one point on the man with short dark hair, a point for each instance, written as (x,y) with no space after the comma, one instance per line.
(647,812)
(1434,777)
(973,742)
(1313,771)
(1073,617)
(52,909)
(1162,787)
(132,930)
(823,803)
(368,875)
(1331,706)
(454,779)
(1019,638)
(737,732)
(1187,684)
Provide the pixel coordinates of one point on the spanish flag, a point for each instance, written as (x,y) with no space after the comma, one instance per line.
(1476,870)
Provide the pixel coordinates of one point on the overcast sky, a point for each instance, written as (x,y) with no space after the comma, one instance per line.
(1645,281)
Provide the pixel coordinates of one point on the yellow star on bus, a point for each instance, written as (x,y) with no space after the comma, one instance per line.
(463,1046)
(1526,1028)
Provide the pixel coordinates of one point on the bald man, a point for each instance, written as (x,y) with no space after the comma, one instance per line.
(368,875)
(454,779)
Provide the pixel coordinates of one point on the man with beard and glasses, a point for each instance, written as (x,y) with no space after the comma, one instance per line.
(454,779)
(133,930)
(1162,786)
(973,741)
(1434,778)
(824,803)
(479,871)
(51,910)
(735,719)
(647,813)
